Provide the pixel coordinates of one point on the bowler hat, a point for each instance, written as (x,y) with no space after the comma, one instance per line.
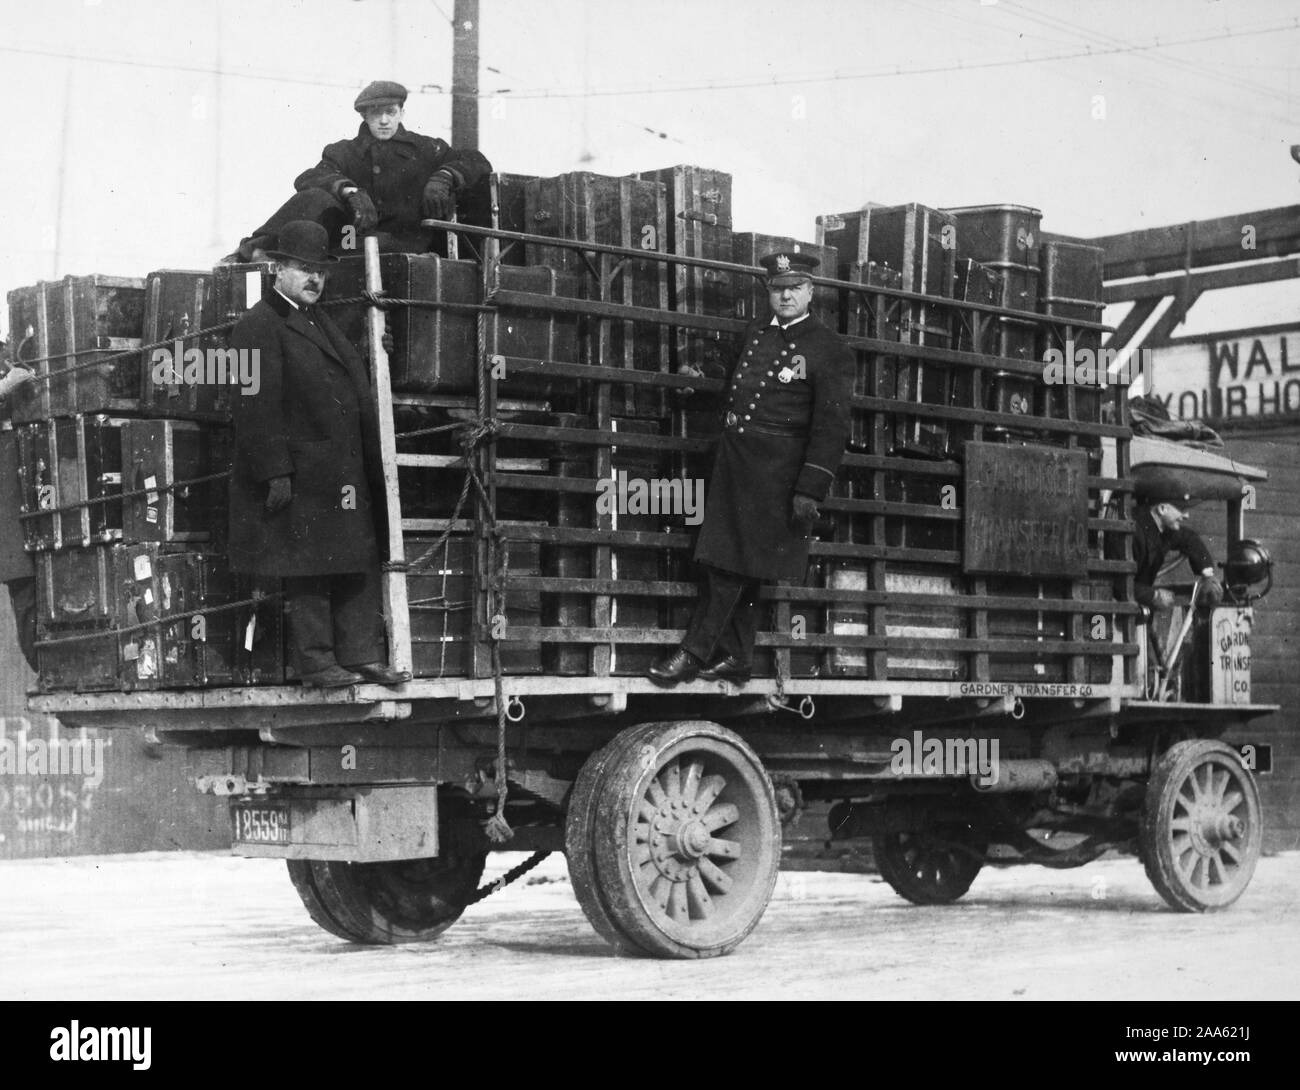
(305,241)
(788,267)
(383,92)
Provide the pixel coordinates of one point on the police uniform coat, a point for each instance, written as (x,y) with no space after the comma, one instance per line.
(393,172)
(313,418)
(785,419)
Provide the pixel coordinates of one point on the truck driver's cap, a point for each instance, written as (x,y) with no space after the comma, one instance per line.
(785,268)
(383,92)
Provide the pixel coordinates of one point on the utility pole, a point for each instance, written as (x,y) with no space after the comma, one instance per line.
(464,76)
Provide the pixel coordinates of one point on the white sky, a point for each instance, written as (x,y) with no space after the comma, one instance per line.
(143,134)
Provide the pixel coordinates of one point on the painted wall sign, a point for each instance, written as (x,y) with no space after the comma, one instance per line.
(1250,374)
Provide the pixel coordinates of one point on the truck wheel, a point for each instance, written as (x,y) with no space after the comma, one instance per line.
(408,900)
(579,847)
(929,866)
(1201,828)
(686,840)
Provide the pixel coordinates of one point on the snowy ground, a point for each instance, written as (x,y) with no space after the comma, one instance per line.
(161,926)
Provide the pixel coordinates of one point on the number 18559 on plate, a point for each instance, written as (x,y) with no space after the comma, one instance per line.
(261,824)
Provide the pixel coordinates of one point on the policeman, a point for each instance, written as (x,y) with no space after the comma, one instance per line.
(785,418)
(383,181)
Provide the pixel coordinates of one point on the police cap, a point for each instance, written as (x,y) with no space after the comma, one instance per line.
(786,267)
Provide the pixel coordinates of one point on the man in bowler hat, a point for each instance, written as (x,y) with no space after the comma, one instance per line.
(382,181)
(306,488)
(785,419)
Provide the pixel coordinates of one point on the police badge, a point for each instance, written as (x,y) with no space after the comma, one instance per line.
(785,374)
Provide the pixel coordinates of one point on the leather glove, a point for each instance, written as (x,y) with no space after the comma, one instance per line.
(694,372)
(1162,599)
(803,511)
(16,376)
(1210,593)
(364,214)
(440,197)
(278,494)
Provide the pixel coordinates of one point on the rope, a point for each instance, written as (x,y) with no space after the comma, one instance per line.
(389,302)
(128,354)
(103,633)
(116,497)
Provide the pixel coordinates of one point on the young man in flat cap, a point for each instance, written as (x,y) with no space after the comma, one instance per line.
(785,419)
(306,488)
(383,181)
(1158,530)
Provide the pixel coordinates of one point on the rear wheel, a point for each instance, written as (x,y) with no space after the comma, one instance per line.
(407,900)
(1202,829)
(683,845)
(929,866)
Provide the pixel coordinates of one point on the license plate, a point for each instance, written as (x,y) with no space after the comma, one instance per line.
(261,824)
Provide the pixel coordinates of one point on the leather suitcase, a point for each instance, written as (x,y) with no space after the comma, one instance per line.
(907,621)
(435,350)
(639,564)
(877,317)
(496,201)
(75,599)
(751,298)
(75,587)
(441,596)
(536,334)
(184,648)
(65,462)
(158,453)
(65,325)
(572,510)
(915,239)
(699,225)
(243,646)
(179,302)
(237,288)
(848,620)
(626,212)
(997,234)
(975,283)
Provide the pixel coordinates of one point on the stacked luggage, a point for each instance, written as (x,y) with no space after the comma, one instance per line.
(570,560)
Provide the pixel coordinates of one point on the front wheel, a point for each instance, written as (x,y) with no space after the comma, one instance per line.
(1201,830)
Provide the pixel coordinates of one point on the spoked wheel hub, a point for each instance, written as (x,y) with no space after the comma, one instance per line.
(674,840)
(1201,827)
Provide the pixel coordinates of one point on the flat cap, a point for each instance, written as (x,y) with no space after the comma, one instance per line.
(383,92)
(787,267)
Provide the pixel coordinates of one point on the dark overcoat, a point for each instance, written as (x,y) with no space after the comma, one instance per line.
(394,173)
(313,417)
(785,419)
